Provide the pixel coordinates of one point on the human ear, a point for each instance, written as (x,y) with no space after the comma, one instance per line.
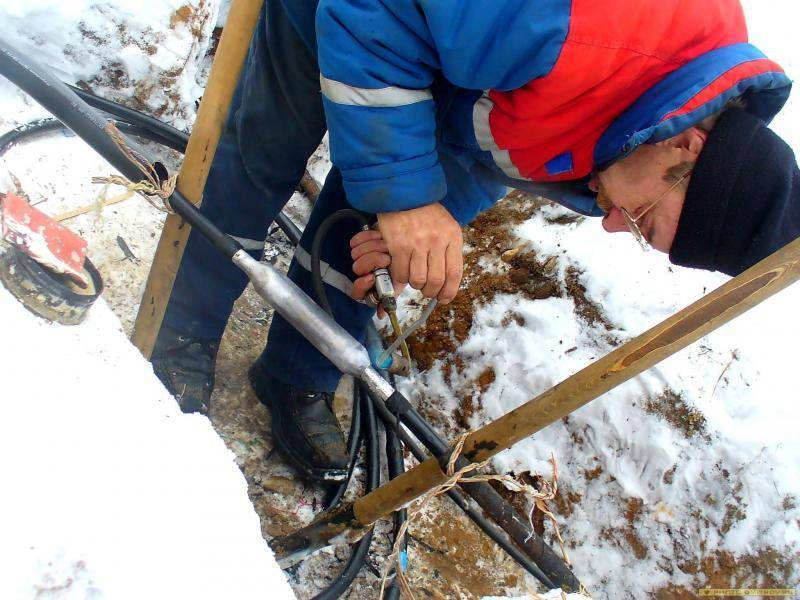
(691,140)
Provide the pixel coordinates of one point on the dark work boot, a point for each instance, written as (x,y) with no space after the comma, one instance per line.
(304,429)
(185,365)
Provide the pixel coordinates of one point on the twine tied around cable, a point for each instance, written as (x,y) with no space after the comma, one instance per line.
(456,477)
(151,186)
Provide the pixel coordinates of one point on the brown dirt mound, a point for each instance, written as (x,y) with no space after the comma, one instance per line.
(489,235)
(764,569)
(671,407)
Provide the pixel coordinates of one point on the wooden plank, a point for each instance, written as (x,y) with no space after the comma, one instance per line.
(211,116)
(82,210)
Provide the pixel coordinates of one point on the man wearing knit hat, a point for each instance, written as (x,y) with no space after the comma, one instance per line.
(649,114)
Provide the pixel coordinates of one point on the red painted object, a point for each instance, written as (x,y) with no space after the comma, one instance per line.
(45,240)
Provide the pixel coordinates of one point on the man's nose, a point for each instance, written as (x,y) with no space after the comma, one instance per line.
(614,222)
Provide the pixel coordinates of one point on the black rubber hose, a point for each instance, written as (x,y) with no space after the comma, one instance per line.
(21,132)
(140,124)
(41,126)
(58,99)
(353,441)
(370,425)
(48,125)
(316,250)
(353,444)
(174,136)
(288,227)
(361,548)
(551,564)
(396,467)
(221,241)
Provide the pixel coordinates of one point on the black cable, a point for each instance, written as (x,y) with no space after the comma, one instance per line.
(322,299)
(464,502)
(353,444)
(288,227)
(48,125)
(370,425)
(551,569)
(316,251)
(396,467)
(174,136)
(359,554)
(20,132)
(220,240)
(54,96)
(150,128)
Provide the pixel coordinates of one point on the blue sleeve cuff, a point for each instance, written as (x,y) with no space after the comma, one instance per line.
(396,192)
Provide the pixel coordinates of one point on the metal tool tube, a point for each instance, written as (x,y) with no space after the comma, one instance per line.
(327,336)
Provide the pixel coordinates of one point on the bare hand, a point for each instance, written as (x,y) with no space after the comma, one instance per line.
(421,246)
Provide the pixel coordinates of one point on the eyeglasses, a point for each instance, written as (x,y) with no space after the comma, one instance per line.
(633,223)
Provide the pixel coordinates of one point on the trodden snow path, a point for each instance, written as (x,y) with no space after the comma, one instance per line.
(108,490)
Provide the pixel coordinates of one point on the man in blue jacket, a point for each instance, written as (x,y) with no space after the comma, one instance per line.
(434,108)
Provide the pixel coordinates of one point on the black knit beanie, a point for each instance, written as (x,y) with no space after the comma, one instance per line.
(743,199)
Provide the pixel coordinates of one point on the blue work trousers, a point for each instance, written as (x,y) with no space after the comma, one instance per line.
(275,124)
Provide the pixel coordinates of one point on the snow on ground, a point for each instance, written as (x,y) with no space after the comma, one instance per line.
(149,56)
(703,449)
(109,490)
(695,457)
(145,53)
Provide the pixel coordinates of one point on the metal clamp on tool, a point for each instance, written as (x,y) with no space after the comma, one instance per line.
(383,295)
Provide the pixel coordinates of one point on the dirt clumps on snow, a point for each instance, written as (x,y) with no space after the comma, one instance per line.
(588,310)
(496,263)
(489,236)
(471,403)
(191,17)
(633,511)
(671,407)
(766,568)
(565,501)
(161,92)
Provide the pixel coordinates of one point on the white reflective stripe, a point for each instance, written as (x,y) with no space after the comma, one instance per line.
(249,244)
(483,134)
(341,93)
(329,275)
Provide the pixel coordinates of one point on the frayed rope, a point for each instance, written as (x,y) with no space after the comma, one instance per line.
(149,187)
(539,498)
